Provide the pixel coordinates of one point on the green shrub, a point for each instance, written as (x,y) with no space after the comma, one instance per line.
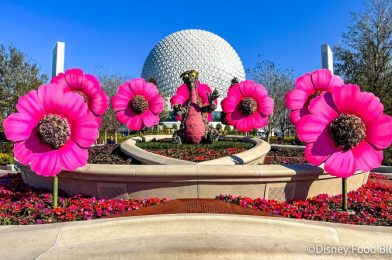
(6,159)
(388,157)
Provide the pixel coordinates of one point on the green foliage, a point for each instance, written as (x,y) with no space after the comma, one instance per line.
(219,127)
(6,159)
(17,77)
(366,57)
(387,157)
(227,129)
(175,127)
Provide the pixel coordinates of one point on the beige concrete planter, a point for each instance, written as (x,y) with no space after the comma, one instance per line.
(279,182)
(255,155)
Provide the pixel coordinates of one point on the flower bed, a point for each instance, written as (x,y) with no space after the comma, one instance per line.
(371,204)
(108,154)
(21,204)
(283,155)
(195,153)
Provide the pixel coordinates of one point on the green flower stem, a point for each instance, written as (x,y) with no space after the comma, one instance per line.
(55,191)
(344,194)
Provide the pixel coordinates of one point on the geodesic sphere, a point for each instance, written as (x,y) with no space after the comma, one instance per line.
(208,53)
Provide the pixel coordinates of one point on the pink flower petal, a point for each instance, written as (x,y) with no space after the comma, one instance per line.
(18,126)
(310,127)
(202,90)
(125,90)
(318,152)
(121,117)
(149,119)
(323,105)
(247,88)
(182,90)
(296,115)
(30,104)
(72,156)
(135,123)
(379,132)
(341,164)
(233,117)
(178,100)
(99,103)
(119,102)
(46,164)
(244,124)
(73,108)
(21,153)
(305,84)
(368,107)
(259,120)
(91,85)
(235,91)
(156,104)
(24,150)
(137,86)
(85,131)
(51,98)
(321,79)
(230,103)
(366,157)
(60,81)
(336,81)
(266,106)
(296,99)
(74,78)
(209,117)
(150,91)
(343,98)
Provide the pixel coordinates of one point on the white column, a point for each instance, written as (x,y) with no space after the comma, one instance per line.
(58,58)
(326,57)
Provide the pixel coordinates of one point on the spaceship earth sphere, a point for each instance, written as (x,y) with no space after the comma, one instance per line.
(206,52)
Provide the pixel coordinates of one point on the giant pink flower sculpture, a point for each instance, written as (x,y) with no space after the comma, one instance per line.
(138,104)
(307,87)
(347,129)
(247,106)
(51,130)
(86,85)
(182,97)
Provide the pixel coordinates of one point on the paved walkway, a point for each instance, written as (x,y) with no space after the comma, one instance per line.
(191,236)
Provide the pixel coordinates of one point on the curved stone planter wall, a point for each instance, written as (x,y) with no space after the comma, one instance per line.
(197,181)
(255,155)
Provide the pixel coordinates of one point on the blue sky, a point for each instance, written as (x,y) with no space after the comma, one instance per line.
(118,35)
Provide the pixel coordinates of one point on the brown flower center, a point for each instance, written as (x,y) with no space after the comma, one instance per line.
(53,131)
(248,106)
(347,131)
(138,104)
(82,94)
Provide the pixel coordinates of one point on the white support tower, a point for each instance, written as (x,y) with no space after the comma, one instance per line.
(326,57)
(58,58)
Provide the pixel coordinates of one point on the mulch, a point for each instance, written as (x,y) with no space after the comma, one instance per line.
(213,206)
(183,206)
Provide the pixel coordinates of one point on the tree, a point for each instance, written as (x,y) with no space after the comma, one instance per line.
(17,76)
(110,84)
(366,55)
(278,82)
